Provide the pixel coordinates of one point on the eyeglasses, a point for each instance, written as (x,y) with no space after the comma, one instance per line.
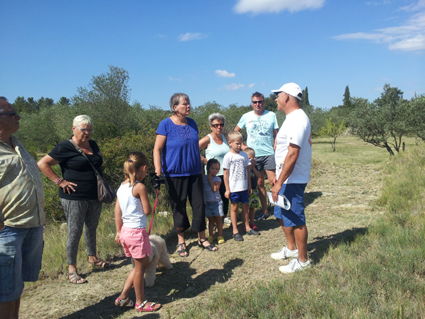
(217,125)
(85,131)
(10,113)
(257,102)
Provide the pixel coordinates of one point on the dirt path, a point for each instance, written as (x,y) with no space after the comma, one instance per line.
(339,203)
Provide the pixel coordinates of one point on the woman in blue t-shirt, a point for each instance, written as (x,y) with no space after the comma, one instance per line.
(176,155)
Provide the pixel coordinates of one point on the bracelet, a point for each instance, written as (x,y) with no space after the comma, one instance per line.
(59,181)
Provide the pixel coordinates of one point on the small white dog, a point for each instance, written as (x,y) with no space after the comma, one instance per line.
(158,258)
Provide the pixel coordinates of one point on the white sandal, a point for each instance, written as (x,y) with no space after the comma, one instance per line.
(124,302)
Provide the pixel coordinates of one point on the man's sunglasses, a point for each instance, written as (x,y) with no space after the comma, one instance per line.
(10,113)
(217,125)
(256,102)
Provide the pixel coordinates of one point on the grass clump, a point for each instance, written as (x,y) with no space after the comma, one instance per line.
(379,274)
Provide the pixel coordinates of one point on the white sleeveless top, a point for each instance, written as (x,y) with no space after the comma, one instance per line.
(133,215)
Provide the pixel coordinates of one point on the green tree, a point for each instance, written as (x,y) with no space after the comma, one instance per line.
(64,101)
(347,99)
(106,102)
(305,103)
(416,120)
(384,122)
(333,130)
(270,103)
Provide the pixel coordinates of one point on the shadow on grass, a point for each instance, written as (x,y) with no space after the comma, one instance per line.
(321,245)
(310,197)
(177,284)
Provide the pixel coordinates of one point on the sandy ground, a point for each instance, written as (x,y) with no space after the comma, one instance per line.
(339,202)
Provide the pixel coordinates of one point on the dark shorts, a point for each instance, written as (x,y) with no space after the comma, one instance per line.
(21,250)
(239,197)
(265,163)
(295,215)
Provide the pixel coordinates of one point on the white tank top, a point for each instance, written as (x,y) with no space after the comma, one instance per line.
(133,215)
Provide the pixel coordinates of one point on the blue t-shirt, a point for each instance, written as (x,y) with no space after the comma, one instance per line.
(260,131)
(180,154)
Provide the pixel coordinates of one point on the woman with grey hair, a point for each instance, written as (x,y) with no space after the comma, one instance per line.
(78,192)
(176,155)
(215,146)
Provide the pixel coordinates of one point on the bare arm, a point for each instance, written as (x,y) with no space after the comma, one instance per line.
(157,151)
(226,182)
(275,140)
(249,179)
(214,186)
(288,167)
(45,165)
(118,221)
(140,191)
(203,144)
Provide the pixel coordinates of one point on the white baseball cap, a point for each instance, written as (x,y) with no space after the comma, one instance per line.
(292,89)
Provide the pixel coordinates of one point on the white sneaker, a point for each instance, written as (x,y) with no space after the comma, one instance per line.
(293,266)
(284,254)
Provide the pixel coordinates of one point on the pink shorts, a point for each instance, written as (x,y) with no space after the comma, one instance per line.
(135,242)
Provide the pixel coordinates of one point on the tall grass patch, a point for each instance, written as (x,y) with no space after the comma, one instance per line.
(380,274)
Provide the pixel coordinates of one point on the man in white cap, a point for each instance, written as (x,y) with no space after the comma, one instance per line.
(293,165)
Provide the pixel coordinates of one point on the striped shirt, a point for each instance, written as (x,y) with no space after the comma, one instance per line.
(21,187)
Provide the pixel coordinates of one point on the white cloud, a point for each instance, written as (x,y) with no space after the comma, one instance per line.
(191,36)
(378,3)
(414,6)
(275,6)
(225,74)
(251,85)
(174,79)
(233,86)
(407,37)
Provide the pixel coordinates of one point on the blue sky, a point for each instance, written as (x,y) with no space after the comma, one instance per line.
(213,50)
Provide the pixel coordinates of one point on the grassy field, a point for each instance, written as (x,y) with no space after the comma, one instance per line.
(366,233)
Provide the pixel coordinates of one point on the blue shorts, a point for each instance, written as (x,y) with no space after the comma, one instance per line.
(214,209)
(21,250)
(295,216)
(239,197)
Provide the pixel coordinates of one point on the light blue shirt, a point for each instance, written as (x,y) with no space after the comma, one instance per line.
(260,131)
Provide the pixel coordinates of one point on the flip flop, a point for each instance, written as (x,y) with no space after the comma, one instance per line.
(100,263)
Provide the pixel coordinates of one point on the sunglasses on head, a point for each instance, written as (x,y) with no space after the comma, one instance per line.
(217,125)
(257,102)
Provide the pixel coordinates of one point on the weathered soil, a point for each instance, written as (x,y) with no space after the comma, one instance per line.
(339,202)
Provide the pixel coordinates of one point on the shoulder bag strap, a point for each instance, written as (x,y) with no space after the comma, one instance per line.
(84,154)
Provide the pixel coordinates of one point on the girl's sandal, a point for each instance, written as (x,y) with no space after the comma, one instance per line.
(75,278)
(152,307)
(124,302)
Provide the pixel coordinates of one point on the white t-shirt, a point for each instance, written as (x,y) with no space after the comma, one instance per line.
(133,215)
(296,129)
(238,176)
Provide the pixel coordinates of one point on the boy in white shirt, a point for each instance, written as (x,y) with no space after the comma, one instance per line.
(238,183)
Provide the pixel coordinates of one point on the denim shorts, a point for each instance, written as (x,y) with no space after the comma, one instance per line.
(239,197)
(135,242)
(21,250)
(214,209)
(295,215)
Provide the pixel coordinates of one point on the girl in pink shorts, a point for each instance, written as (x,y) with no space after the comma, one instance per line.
(131,209)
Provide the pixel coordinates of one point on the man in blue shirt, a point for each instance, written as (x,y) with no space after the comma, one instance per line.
(261,127)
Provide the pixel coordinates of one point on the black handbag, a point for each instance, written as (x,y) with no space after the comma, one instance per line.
(105,193)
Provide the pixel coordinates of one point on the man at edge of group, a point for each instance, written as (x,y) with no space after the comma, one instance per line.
(21,214)
(261,127)
(293,165)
